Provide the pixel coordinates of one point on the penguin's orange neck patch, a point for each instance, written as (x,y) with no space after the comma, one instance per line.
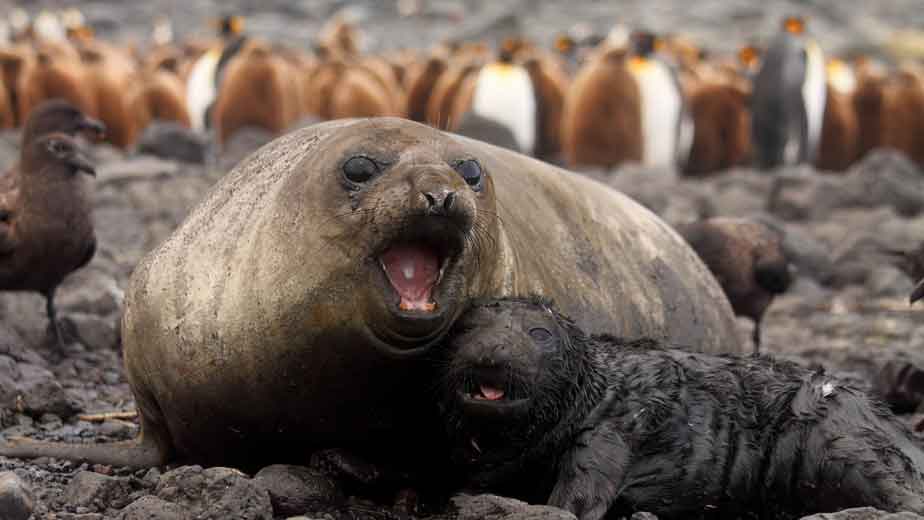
(564,44)
(501,69)
(748,56)
(638,64)
(794,25)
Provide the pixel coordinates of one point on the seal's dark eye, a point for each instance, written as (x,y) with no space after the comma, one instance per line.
(471,172)
(540,335)
(360,169)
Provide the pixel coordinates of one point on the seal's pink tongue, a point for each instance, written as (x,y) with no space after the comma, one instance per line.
(490,393)
(413,270)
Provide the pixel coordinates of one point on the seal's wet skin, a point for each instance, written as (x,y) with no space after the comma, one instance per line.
(595,424)
(293,308)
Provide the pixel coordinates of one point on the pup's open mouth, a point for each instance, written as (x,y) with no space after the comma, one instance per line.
(414,270)
(487,393)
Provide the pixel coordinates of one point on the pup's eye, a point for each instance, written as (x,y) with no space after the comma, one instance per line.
(540,335)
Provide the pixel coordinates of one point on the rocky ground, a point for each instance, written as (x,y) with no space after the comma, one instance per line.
(847,312)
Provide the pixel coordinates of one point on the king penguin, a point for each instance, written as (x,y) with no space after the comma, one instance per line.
(667,126)
(206,73)
(503,105)
(788,100)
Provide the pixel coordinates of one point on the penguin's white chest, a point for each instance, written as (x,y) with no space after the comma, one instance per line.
(814,87)
(661,105)
(504,93)
(200,88)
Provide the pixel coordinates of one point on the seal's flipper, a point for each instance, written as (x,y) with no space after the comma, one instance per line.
(592,475)
(142,452)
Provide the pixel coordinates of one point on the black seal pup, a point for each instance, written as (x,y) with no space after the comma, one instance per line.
(539,411)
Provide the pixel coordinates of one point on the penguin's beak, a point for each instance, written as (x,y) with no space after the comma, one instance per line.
(82,163)
(917,293)
(94,128)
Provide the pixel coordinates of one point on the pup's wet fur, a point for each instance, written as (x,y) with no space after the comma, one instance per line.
(540,411)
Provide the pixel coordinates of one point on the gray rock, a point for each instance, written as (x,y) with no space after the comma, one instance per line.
(740,192)
(241,144)
(171,140)
(91,291)
(13,345)
(294,490)
(215,493)
(659,191)
(97,492)
(887,178)
(811,256)
(802,194)
(487,130)
(105,153)
(117,230)
(24,312)
(16,502)
(883,179)
(152,508)
(643,516)
(32,389)
(493,507)
(135,169)
(93,331)
(886,280)
(863,513)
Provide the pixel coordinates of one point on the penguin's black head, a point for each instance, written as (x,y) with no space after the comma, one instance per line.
(230,25)
(509,49)
(644,43)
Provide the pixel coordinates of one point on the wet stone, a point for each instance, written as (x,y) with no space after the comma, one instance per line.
(16,502)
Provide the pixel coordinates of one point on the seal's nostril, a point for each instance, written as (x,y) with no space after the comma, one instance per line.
(430,200)
(450,198)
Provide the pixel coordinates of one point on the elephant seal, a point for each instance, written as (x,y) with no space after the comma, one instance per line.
(600,426)
(293,307)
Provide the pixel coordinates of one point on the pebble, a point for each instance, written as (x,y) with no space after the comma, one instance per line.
(16,502)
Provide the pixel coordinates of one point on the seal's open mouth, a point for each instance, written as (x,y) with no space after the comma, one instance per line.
(417,261)
(485,391)
(418,271)
(414,270)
